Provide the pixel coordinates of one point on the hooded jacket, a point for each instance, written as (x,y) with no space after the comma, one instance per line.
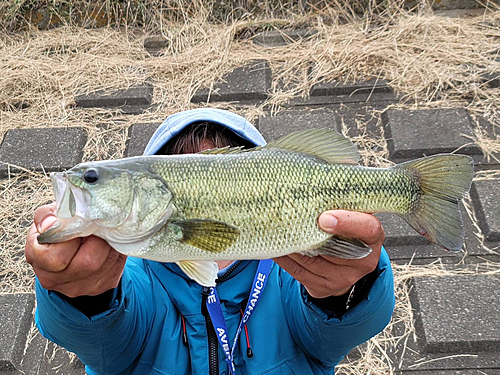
(157,322)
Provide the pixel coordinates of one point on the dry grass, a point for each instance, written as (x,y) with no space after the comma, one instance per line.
(431,61)
(20,195)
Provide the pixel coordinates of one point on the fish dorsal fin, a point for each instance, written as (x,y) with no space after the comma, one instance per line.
(325,144)
(222,150)
(229,150)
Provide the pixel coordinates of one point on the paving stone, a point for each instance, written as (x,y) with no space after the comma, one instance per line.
(285,122)
(446,4)
(278,38)
(351,88)
(16,314)
(53,149)
(371,91)
(398,232)
(56,360)
(450,372)
(492,80)
(139,95)
(155,44)
(427,252)
(247,83)
(409,355)
(461,13)
(139,135)
(485,194)
(375,98)
(42,357)
(458,314)
(416,133)
(490,132)
(156,41)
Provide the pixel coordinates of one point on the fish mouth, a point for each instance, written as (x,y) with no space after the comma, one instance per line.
(71,211)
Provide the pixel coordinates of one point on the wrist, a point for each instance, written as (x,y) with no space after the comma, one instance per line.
(338,305)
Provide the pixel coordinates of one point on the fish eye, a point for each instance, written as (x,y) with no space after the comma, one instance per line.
(90,176)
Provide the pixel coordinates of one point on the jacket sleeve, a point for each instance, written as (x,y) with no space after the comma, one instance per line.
(108,342)
(328,338)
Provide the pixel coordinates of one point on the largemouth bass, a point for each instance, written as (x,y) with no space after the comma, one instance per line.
(227,204)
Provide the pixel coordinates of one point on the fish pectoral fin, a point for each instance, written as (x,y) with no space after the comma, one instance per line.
(343,247)
(204,272)
(209,235)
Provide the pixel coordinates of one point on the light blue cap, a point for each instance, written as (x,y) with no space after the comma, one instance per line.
(178,121)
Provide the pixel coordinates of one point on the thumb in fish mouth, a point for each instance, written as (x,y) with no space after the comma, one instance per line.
(64,230)
(46,223)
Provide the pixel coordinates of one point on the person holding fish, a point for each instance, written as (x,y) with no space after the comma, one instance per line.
(198,293)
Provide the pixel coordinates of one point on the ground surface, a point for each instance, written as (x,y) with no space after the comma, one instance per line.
(414,85)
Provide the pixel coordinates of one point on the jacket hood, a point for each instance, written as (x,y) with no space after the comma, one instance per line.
(178,121)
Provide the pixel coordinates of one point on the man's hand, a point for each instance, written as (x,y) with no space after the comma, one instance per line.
(325,276)
(82,266)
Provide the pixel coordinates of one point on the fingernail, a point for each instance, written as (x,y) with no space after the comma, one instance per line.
(329,221)
(46,223)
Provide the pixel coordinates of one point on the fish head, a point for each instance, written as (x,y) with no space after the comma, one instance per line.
(108,200)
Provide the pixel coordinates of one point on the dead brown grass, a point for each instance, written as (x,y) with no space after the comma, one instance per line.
(20,195)
(431,61)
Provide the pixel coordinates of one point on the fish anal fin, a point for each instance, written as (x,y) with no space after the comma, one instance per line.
(209,235)
(325,144)
(204,272)
(342,247)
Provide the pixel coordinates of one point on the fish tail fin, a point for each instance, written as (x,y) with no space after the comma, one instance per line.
(444,180)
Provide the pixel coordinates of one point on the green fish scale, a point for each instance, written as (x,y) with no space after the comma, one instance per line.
(273,197)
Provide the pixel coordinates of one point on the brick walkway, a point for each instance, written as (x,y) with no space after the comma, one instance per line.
(457,318)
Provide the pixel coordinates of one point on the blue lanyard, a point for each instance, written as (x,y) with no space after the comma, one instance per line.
(215,310)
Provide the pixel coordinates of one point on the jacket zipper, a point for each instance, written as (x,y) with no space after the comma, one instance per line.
(229,271)
(213,343)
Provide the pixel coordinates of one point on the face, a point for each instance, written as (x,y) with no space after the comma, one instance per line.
(115,200)
(206,145)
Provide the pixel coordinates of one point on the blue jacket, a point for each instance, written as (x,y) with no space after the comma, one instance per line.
(142,331)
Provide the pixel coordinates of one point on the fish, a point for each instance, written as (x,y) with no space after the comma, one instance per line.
(233,203)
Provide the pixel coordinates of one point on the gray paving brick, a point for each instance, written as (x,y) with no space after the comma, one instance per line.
(450,309)
(485,194)
(247,83)
(16,314)
(490,132)
(370,91)
(139,135)
(139,95)
(285,122)
(447,4)
(51,148)
(492,80)
(278,38)
(416,133)
(398,232)
(376,98)
(156,41)
(452,372)
(370,86)
(427,252)
(155,44)
(458,314)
